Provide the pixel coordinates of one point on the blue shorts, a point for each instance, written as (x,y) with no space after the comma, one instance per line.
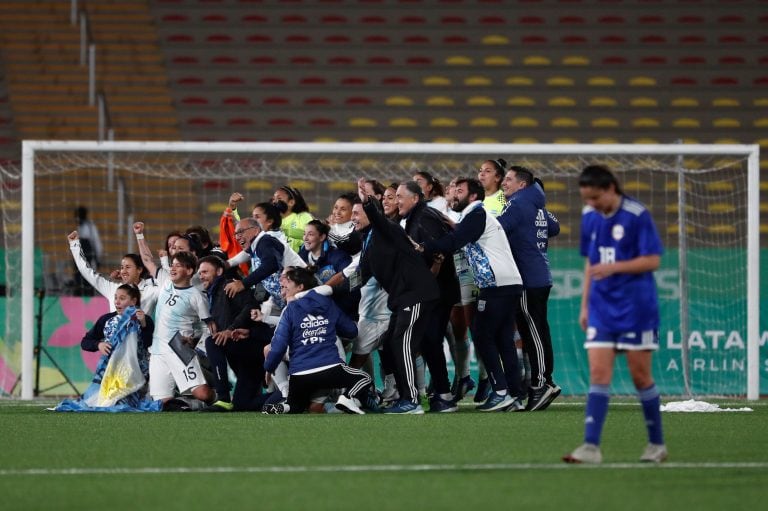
(641,340)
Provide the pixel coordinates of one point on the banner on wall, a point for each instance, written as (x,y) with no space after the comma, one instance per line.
(717,345)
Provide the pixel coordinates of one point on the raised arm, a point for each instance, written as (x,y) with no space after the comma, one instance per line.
(144,251)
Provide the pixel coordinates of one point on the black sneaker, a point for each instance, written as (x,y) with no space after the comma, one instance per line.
(275,409)
(556,390)
(483,390)
(538,397)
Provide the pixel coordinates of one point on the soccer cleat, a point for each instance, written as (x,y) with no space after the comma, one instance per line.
(462,387)
(496,403)
(183,404)
(274,409)
(220,406)
(405,407)
(483,390)
(440,405)
(349,405)
(517,405)
(585,453)
(654,453)
(538,397)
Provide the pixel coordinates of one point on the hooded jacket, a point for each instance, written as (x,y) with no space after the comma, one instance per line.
(528,226)
(308,328)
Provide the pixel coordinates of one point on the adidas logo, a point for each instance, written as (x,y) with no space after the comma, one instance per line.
(311,321)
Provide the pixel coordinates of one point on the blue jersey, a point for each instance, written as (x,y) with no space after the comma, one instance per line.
(623,302)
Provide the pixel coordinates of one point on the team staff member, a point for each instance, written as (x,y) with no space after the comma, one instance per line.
(619,306)
(389,256)
(528,226)
(500,284)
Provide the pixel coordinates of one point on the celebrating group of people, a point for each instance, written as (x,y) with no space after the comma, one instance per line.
(294,306)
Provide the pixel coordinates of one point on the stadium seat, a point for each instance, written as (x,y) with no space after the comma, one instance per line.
(272,80)
(418,61)
(224,59)
(403,122)
(575,60)
(480,101)
(722,229)
(378,60)
(495,40)
(265,60)
(302,60)
(483,122)
(194,100)
(322,121)
(436,81)
(645,122)
(357,100)
(653,39)
(275,100)
(654,60)
(726,122)
(684,102)
(720,186)
(686,123)
(459,60)
(601,81)
(642,81)
(720,208)
(398,101)
(478,81)
(604,122)
(240,121)
(376,39)
(219,38)
(443,122)
(614,60)
(602,101)
(440,101)
(316,101)
(518,81)
(564,122)
(560,81)
(280,121)
(523,122)
(230,80)
(561,101)
(497,60)
(362,122)
(693,60)
(643,102)
(571,39)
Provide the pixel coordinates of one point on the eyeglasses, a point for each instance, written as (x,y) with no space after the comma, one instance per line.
(241,231)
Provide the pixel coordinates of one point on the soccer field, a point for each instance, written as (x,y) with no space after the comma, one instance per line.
(456,461)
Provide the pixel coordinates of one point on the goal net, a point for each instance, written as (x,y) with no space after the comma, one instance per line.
(703,198)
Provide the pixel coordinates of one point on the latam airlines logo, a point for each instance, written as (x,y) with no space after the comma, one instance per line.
(315,329)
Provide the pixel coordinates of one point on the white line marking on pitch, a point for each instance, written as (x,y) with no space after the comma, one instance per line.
(372,468)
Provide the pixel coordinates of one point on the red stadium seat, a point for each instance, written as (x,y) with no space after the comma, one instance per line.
(614,59)
(531,20)
(275,100)
(376,39)
(180,38)
(395,80)
(334,19)
(455,39)
(302,60)
(535,39)
(690,20)
(174,18)
(732,39)
(380,60)
(372,20)
(341,60)
(416,39)
(357,100)
(412,20)
(731,18)
(190,80)
(280,121)
(692,60)
(354,80)
(724,80)
(194,100)
(650,20)
(313,80)
(418,61)
(200,121)
(493,20)
(453,20)
(732,59)
(224,59)
(761,81)
(653,39)
(290,19)
(683,80)
(259,38)
(263,60)
(254,18)
(322,121)
(298,39)
(214,18)
(219,38)
(236,100)
(613,39)
(231,80)
(571,20)
(316,101)
(338,39)
(692,39)
(185,59)
(654,60)
(272,80)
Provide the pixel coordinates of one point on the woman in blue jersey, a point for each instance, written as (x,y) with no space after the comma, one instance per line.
(619,307)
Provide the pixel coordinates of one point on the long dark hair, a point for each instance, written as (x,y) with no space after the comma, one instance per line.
(599,176)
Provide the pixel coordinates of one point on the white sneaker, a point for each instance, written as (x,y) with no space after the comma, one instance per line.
(349,405)
(585,453)
(654,453)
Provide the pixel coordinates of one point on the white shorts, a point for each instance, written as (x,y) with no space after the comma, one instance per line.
(370,335)
(469,294)
(167,373)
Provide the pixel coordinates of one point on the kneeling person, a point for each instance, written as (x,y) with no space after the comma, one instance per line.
(307,331)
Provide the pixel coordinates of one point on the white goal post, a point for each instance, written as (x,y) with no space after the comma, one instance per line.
(748,154)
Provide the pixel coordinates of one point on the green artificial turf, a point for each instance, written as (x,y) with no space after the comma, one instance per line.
(469,461)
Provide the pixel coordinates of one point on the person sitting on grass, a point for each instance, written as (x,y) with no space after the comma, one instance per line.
(123,338)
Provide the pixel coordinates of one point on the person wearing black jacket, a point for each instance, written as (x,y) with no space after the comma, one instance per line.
(423,223)
(239,341)
(389,256)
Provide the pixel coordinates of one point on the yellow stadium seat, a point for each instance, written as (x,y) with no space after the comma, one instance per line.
(443,122)
(761,122)
(405,140)
(518,81)
(645,140)
(636,186)
(368,163)
(486,140)
(216,207)
(525,140)
(726,122)
(302,184)
(721,207)
(258,185)
(675,229)
(560,81)
(686,122)
(459,60)
(760,102)
(520,101)
(764,207)
(339,186)
(16,205)
(324,139)
(445,140)
(642,81)
(605,122)
(727,140)
(605,140)
(365,140)
(440,101)
(564,122)
(575,60)
(436,81)
(643,102)
(398,101)
(523,122)
(480,101)
(483,122)
(565,229)
(554,186)
(403,122)
(478,81)
(720,186)
(684,102)
(557,207)
(536,60)
(674,208)
(362,122)
(565,140)
(602,101)
(330,163)
(561,101)
(601,81)
(495,40)
(763,228)
(645,122)
(726,102)
(497,60)
(764,186)
(721,229)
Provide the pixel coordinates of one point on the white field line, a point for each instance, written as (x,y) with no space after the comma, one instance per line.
(36,472)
